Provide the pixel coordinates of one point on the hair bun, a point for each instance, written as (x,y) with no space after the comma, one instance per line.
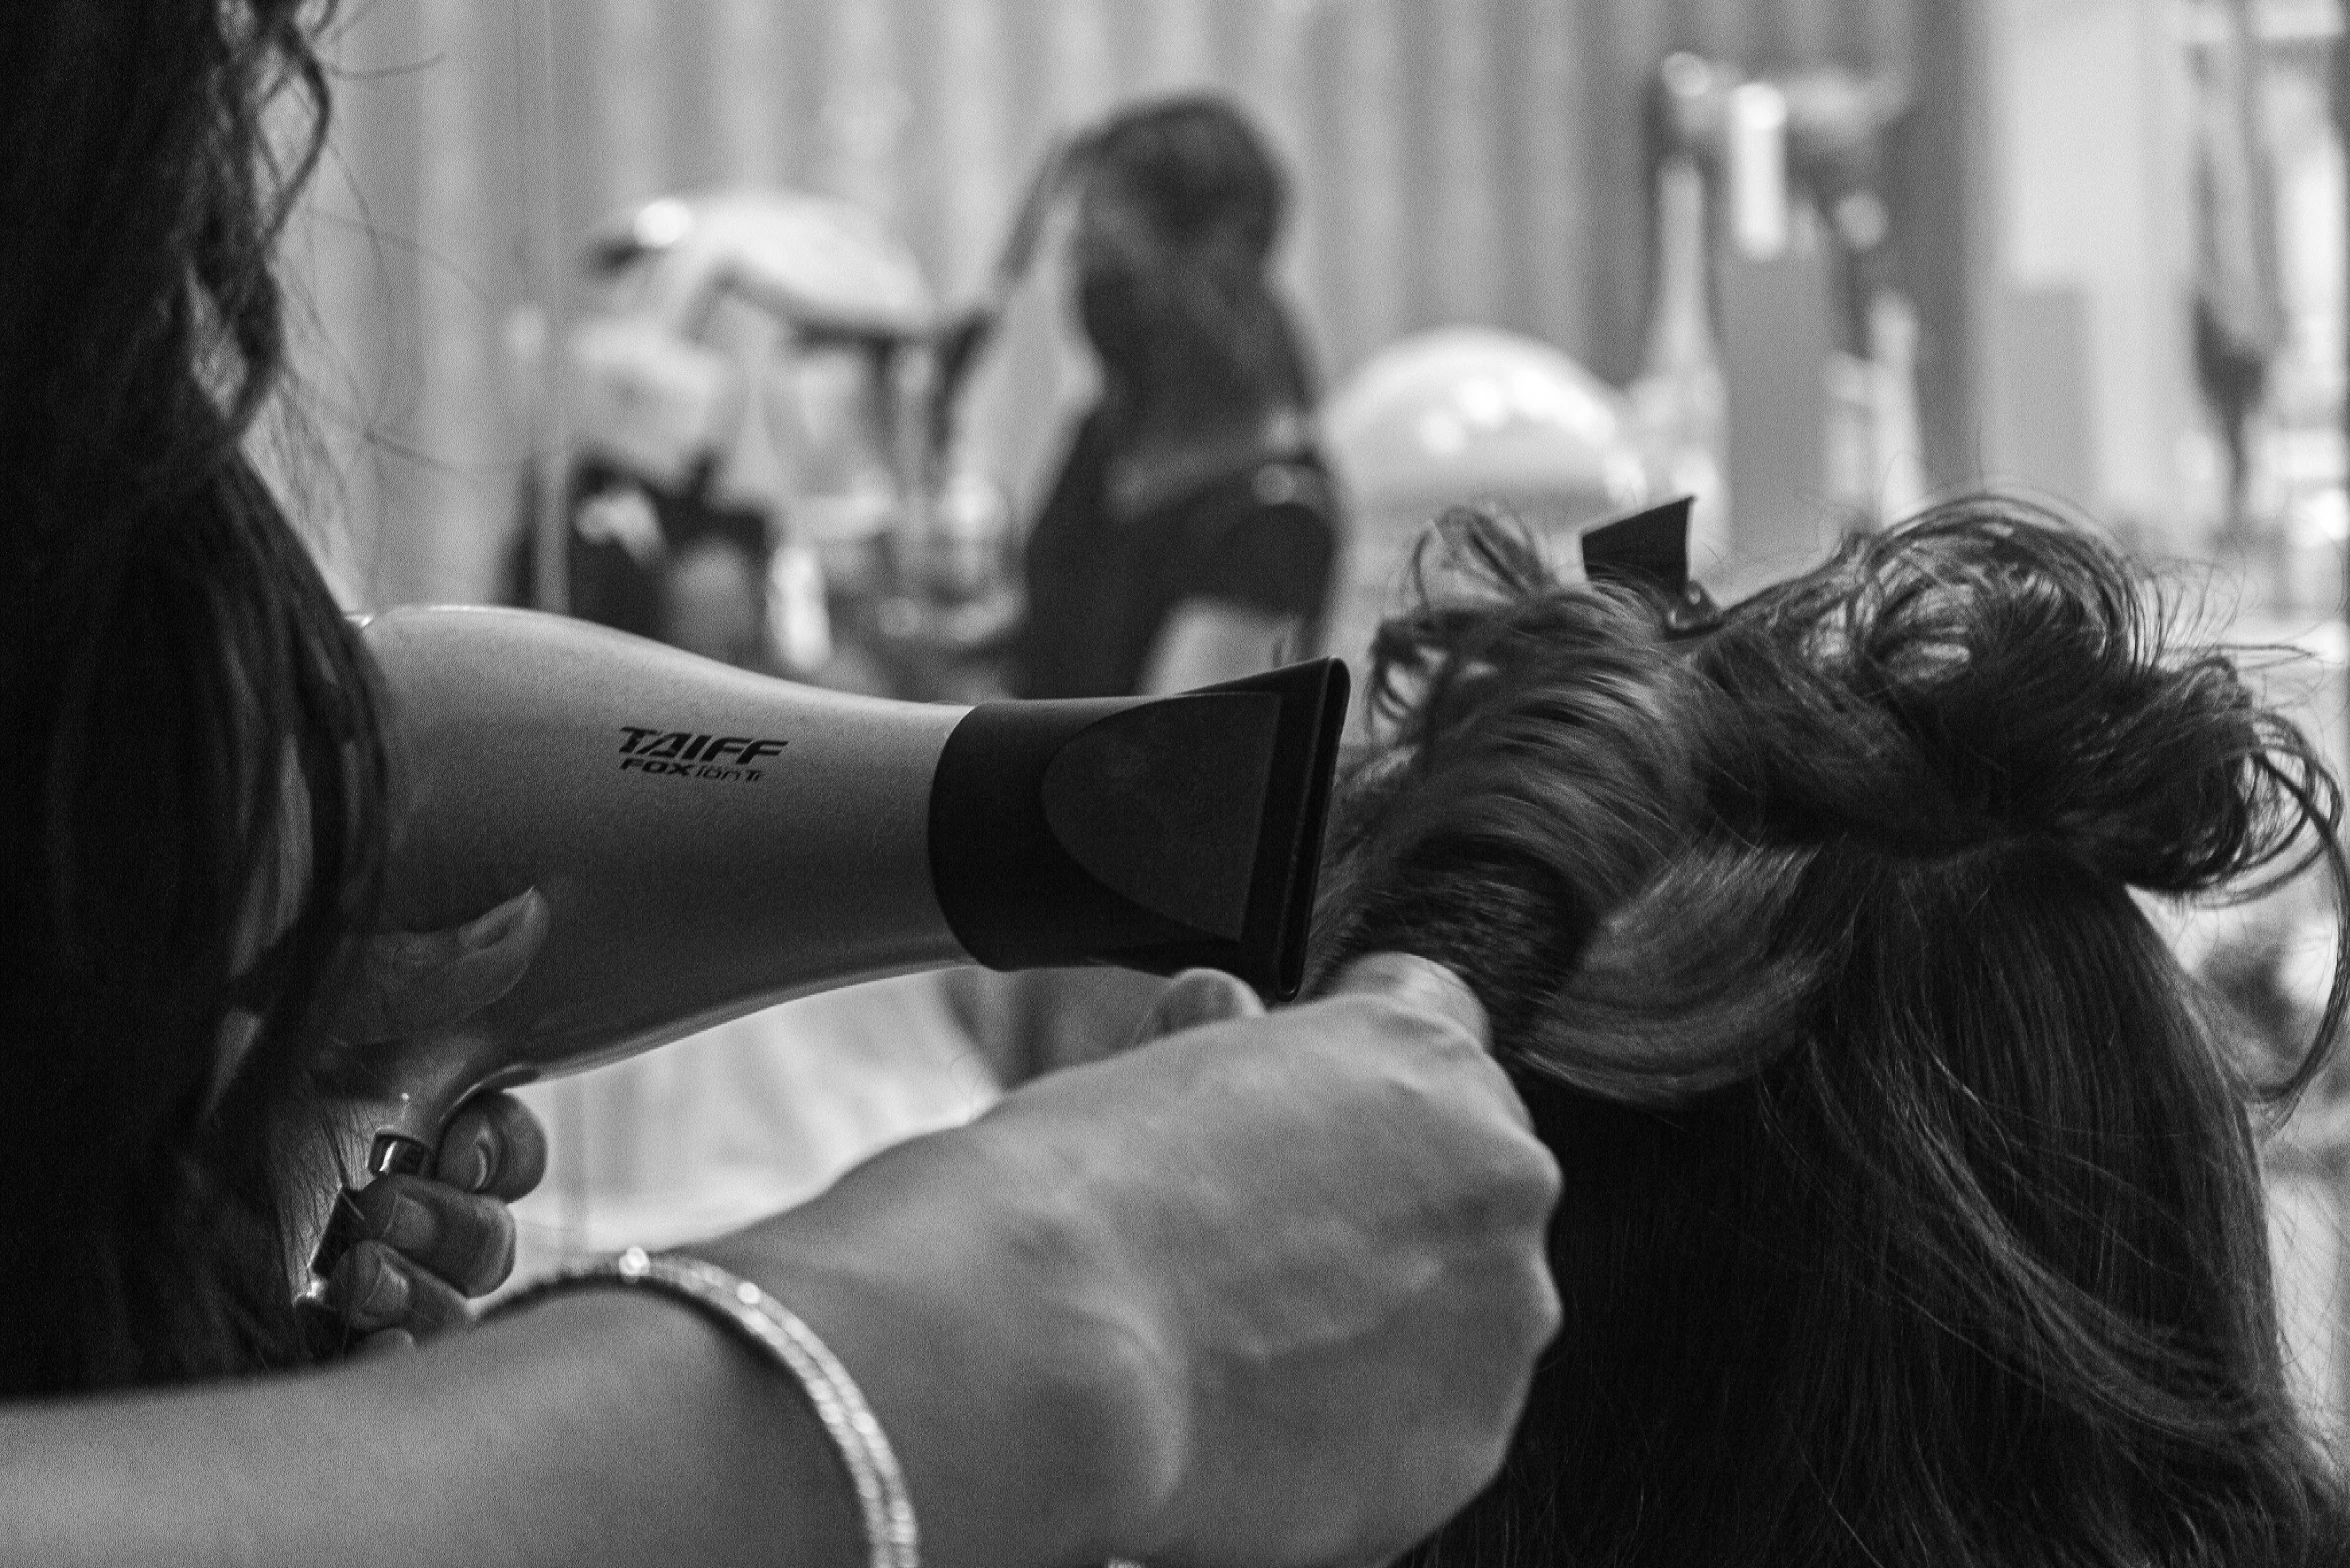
(1986,674)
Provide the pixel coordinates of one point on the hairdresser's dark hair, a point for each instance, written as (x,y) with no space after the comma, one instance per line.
(1911,1214)
(193,759)
(1185,306)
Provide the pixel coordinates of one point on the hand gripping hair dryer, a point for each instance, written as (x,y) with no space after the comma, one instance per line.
(710,841)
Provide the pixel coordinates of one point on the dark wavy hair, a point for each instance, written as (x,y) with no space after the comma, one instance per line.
(192,811)
(1911,1213)
(1180,303)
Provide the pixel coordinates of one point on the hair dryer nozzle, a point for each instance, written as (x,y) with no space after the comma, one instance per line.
(1156,833)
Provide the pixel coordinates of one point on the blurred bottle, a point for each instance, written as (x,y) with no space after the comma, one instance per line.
(1898,444)
(1851,383)
(1679,403)
(1762,215)
(799,621)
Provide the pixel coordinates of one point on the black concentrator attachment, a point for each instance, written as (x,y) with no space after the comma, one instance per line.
(1651,550)
(1161,834)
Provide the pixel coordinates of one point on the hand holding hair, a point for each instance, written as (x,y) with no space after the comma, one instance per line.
(1268,1291)
(1264,1290)
(1303,1248)
(1206,996)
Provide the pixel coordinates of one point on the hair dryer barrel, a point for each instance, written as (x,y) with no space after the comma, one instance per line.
(710,841)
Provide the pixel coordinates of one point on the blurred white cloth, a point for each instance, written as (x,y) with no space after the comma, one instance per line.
(2309,1242)
(720,1129)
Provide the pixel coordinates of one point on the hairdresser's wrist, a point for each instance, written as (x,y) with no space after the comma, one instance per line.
(994,1336)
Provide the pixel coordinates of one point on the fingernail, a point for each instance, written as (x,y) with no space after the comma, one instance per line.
(387,1295)
(412,1227)
(488,930)
(473,1166)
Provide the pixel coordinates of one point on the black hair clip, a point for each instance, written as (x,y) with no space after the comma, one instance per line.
(1650,550)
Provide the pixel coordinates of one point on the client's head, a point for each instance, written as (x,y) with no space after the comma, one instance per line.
(1910,1209)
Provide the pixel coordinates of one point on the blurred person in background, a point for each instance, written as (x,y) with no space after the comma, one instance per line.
(1192,530)
(1189,535)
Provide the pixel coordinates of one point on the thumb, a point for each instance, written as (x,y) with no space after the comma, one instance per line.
(1441,998)
(1421,984)
(413,981)
(1196,997)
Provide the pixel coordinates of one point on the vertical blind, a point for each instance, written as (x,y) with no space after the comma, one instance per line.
(1454,161)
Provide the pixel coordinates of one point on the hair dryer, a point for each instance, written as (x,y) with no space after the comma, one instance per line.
(710,841)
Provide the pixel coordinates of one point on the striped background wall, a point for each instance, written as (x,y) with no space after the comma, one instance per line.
(1457,160)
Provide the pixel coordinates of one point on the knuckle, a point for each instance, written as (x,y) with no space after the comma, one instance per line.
(1547,1312)
(1501,1203)
(1524,1310)
(1534,1178)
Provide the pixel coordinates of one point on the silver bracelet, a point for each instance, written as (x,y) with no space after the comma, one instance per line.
(891,1538)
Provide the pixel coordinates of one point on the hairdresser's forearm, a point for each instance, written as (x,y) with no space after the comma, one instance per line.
(617,1427)
(602,1429)
(989,1325)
